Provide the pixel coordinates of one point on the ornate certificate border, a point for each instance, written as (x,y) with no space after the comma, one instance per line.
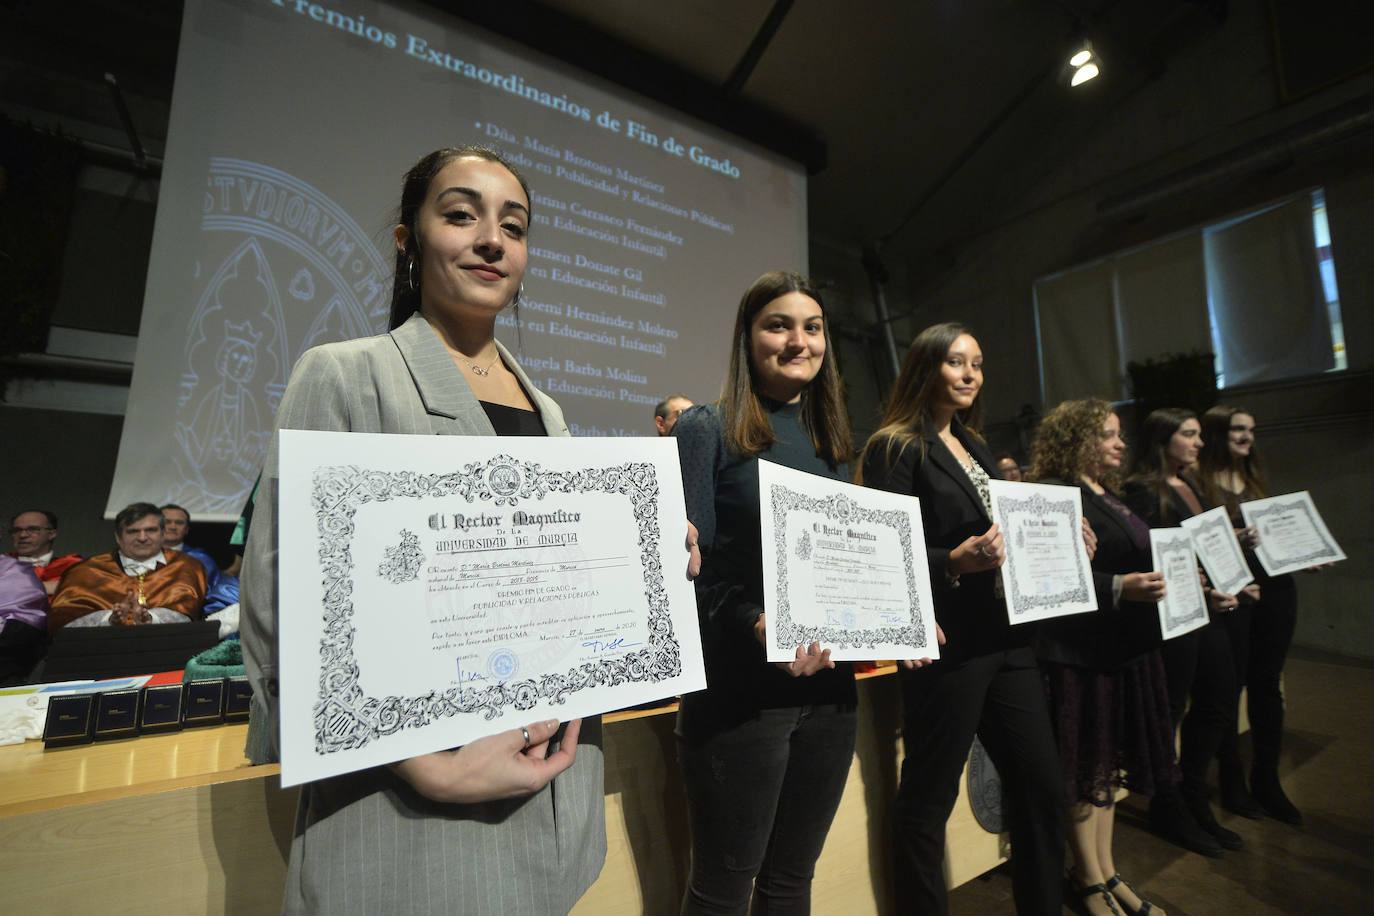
(1038,506)
(347,718)
(837,507)
(1222,521)
(1177,544)
(1328,549)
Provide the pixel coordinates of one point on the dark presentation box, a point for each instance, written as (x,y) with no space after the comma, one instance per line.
(161,709)
(239,699)
(69,720)
(203,702)
(116,713)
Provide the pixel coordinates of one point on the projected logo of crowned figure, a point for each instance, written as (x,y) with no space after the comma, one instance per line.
(294,270)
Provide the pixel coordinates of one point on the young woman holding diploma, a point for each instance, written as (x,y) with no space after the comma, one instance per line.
(765,748)
(480,828)
(1103,670)
(1199,665)
(1231,472)
(987,681)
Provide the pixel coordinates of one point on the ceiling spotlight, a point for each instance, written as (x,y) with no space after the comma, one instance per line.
(1083,65)
(1083,74)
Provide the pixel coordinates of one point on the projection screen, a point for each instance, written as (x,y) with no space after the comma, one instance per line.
(291,126)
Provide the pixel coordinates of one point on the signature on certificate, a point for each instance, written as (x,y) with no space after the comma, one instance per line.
(609,644)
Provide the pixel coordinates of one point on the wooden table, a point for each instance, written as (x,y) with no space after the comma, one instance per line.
(182,823)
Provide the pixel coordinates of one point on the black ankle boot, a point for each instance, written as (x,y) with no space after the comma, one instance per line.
(1202,813)
(1234,796)
(1269,794)
(1170,820)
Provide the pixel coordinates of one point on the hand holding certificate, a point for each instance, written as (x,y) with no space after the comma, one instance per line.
(844,566)
(436,590)
(1214,541)
(1047,572)
(1183,607)
(1292,535)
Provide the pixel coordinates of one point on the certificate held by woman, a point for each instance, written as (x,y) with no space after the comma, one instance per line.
(460,586)
(845,566)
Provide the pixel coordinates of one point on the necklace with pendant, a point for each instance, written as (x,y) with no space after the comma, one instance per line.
(478,370)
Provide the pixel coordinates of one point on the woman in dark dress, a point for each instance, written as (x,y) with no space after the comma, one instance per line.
(1232,473)
(1199,665)
(765,748)
(987,681)
(1103,670)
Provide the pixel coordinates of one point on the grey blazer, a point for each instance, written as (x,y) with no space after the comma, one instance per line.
(367,842)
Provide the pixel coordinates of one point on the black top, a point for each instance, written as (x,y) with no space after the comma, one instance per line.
(1142,499)
(1109,637)
(513,421)
(722,494)
(972,615)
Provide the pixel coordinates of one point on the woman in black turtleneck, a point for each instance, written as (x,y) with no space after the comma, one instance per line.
(765,748)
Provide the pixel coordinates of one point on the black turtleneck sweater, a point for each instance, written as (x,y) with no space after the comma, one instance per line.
(722,495)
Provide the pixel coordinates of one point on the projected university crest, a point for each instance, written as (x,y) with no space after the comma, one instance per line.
(277,247)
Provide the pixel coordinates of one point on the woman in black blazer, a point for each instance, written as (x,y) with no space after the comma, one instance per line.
(986,681)
(1103,670)
(1199,665)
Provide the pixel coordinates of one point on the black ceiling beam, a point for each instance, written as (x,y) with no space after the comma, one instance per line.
(754,53)
(968,152)
(578,43)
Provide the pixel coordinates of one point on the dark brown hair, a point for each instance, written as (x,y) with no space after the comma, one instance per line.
(909,406)
(414,188)
(1216,459)
(1151,466)
(132,513)
(748,430)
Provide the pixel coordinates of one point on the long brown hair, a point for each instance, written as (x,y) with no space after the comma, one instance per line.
(1151,466)
(1216,460)
(913,394)
(405,301)
(748,430)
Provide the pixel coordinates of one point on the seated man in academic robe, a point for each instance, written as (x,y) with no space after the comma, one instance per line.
(23,620)
(137,583)
(34,531)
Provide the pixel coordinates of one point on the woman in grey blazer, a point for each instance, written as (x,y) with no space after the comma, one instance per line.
(478,829)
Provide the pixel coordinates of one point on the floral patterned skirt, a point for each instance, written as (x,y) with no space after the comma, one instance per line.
(1113,728)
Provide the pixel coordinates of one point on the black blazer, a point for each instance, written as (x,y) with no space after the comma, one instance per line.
(1110,636)
(973,617)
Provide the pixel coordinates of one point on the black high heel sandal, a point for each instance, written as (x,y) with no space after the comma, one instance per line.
(1081,894)
(1115,881)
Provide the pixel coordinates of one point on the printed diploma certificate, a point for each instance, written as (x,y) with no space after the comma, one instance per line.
(436,589)
(844,566)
